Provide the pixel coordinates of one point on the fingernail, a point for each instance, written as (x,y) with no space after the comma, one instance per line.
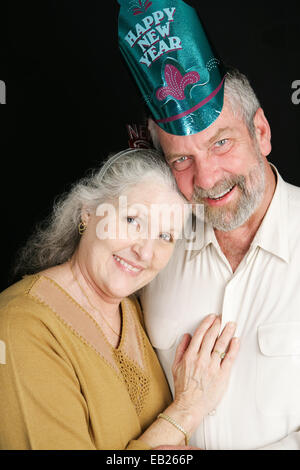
(212,316)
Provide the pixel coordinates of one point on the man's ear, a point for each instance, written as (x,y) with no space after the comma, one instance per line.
(153,128)
(262,132)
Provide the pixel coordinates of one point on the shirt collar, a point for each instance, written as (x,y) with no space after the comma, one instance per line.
(208,238)
(272,234)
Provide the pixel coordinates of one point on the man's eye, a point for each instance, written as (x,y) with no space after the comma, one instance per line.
(221,143)
(182,163)
(166,237)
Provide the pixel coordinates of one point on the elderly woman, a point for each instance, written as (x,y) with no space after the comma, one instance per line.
(80,372)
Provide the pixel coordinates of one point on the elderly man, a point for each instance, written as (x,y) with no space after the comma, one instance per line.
(246,270)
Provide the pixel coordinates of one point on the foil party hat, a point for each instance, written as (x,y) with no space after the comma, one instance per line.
(172,62)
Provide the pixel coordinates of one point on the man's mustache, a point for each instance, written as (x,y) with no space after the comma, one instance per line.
(219,188)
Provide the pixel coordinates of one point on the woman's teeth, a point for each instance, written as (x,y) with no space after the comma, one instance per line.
(222,195)
(126,265)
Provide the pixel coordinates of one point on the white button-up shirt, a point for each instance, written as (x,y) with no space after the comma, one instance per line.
(261,407)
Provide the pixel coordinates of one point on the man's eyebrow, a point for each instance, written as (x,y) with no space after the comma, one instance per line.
(218,134)
(174,156)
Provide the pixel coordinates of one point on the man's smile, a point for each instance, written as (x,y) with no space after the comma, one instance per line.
(221,198)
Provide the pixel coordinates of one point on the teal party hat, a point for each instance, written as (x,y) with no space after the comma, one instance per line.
(172,62)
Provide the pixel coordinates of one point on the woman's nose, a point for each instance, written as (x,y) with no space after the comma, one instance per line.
(144,248)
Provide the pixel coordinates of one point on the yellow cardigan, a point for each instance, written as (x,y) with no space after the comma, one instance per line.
(62,385)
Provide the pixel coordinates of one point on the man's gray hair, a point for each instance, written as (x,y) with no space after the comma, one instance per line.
(56,239)
(241,97)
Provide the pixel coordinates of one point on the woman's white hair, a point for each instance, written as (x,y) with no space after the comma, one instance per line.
(241,97)
(55,240)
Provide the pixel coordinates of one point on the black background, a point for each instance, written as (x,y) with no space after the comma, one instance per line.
(69,95)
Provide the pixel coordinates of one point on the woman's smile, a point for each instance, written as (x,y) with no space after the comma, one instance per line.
(129,267)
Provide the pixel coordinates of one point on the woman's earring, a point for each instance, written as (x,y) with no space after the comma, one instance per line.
(82,228)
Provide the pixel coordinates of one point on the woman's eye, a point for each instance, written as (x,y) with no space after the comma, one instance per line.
(182,163)
(131,220)
(134,223)
(166,237)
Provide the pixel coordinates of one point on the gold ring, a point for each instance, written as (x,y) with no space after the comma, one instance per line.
(222,355)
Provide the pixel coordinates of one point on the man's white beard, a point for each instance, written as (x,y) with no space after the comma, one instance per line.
(233,216)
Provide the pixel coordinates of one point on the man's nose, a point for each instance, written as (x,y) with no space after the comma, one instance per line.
(206,173)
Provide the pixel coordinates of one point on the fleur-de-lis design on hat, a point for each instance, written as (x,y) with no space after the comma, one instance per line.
(176,83)
(139,6)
